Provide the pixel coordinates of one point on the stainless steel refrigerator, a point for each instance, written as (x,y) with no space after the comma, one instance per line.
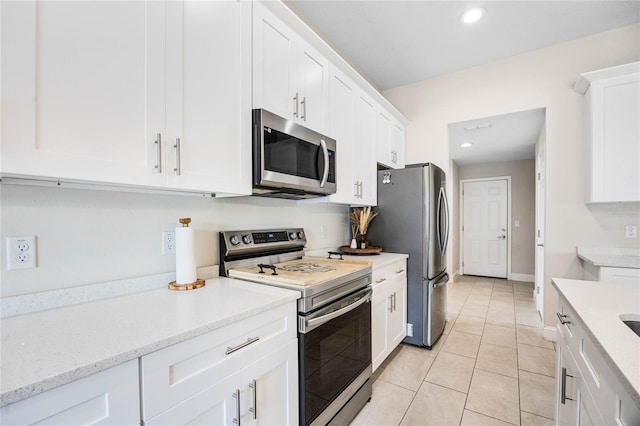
(414,219)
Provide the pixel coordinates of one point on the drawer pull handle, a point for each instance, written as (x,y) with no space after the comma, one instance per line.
(380,280)
(563,389)
(158,143)
(236,395)
(562,319)
(249,341)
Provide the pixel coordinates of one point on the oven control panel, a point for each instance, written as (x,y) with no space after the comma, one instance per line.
(239,242)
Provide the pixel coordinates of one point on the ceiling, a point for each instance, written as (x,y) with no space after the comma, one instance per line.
(398,42)
(507,137)
(394,43)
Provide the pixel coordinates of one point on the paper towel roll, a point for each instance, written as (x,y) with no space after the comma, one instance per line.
(185,256)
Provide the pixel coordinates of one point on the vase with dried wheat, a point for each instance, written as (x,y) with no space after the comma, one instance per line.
(362,218)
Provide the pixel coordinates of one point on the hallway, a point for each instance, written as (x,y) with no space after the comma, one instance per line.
(491,367)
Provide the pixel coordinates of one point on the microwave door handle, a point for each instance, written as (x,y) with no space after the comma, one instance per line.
(325,153)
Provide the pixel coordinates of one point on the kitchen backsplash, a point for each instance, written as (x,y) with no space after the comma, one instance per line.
(86,237)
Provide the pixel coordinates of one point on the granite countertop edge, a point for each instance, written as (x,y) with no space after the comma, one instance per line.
(277,297)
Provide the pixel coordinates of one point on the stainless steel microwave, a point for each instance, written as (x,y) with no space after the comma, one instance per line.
(289,160)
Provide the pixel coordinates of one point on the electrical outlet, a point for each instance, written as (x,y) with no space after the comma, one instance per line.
(631,231)
(168,242)
(21,252)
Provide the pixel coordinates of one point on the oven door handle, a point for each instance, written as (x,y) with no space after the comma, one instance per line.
(306,325)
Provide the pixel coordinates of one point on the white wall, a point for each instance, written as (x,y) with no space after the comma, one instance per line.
(87,237)
(539,79)
(523,208)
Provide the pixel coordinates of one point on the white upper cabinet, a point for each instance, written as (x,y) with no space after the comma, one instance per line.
(612,132)
(290,78)
(389,140)
(82,90)
(209,96)
(102,91)
(352,124)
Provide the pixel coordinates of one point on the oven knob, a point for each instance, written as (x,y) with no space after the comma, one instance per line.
(300,235)
(234,240)
(292,235)
(246,239)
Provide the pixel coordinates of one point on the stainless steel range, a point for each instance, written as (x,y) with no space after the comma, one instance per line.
(334,316)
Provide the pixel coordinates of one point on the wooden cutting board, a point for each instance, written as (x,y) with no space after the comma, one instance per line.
(305,272)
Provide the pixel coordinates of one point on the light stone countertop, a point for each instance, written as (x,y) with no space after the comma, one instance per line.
(379,260)
(47,349)
(610,257)
(599,305)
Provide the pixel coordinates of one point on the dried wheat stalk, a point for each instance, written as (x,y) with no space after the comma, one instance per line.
(362,218)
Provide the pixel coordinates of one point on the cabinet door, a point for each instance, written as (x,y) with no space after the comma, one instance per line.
(313,87)
(398,318)
(342,130)
(274,74)
(83,90)
(615,150)
(383,138)
(216,405)
(567,376)
(397,139)
(208,96)
(270,388)
(380,310)
(365,168)
(110,397)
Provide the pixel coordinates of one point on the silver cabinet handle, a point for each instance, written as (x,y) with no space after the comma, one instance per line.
(360,193)
(249,341)
(563,387)
(380,280)
(325,153)
(390,297)
(562,319)
(394,300)
(303,102)
(254,390)
(295,99)
(236,395)
(177,147)
(355,190)
(158,143)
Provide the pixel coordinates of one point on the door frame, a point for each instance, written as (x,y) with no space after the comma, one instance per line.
(461,221)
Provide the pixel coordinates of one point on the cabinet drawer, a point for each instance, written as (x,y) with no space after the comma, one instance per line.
(178,372)
(567,324)
(387,273)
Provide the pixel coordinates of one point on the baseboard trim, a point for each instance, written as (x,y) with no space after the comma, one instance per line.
(549,333)
(527,278)
(455,276)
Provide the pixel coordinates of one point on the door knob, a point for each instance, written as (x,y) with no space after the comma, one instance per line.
(502,237)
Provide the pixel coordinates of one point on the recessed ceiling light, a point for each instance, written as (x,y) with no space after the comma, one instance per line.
(472,15)
(466,145)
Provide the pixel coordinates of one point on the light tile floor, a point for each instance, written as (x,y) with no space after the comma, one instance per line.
(491,367)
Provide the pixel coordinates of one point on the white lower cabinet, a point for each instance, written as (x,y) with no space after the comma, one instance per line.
(588,391)
(247,369)
(110,397)
(388,310)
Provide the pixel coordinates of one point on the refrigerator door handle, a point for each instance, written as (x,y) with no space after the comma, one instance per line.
(443,208)
(442,281)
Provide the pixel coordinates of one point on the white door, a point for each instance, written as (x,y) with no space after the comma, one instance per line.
(312,88)
(485,228)
(540,207)
(270,388)
(83,90)
(208,96)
